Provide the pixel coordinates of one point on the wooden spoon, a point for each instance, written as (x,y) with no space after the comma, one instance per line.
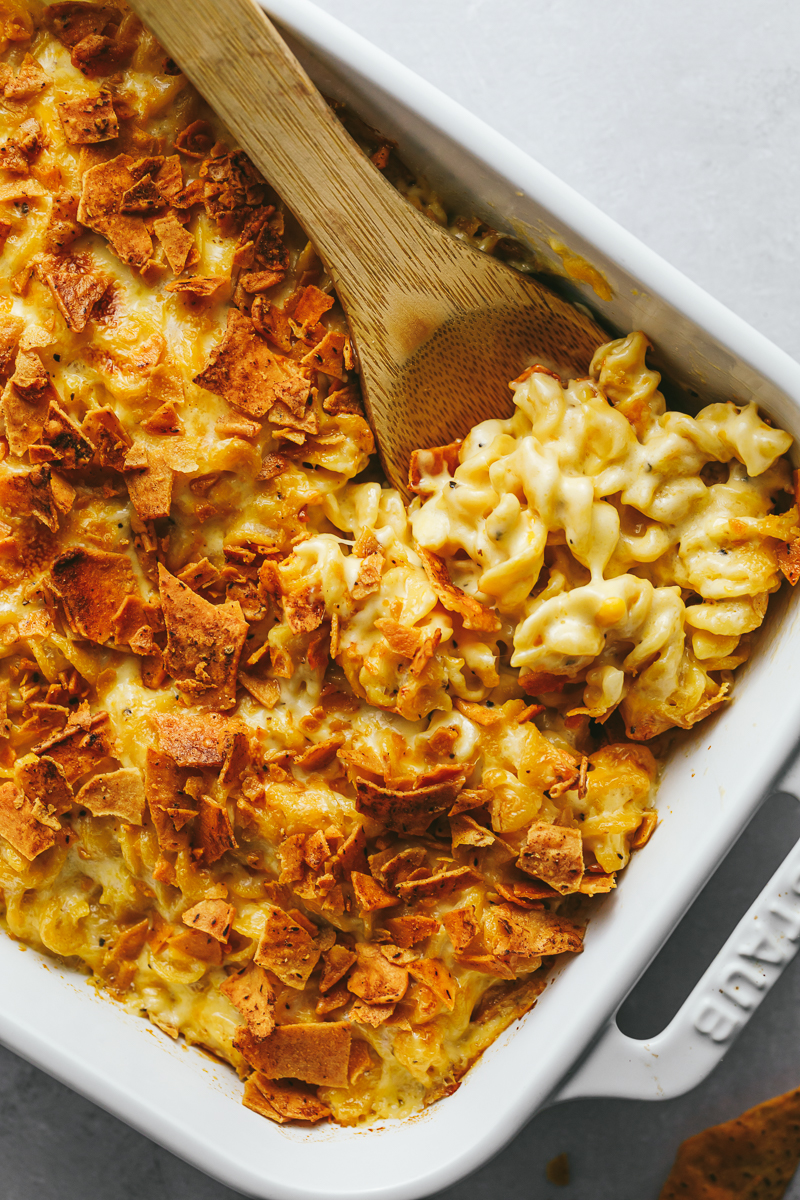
(439,328)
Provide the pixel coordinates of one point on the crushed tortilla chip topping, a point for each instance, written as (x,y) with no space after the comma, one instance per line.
(554,855)
(320,780)
(21,824)
(89,119)
(92,585)
(252,993)
(283,1101)
(287,949)
(76,285)
(313,1053)
(117,794)
(244,371)
(204,643)
(212,917)
(100,208)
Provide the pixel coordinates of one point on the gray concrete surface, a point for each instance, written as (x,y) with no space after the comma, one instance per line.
(681,121)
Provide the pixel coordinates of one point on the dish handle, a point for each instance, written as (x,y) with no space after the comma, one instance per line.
(718,1008)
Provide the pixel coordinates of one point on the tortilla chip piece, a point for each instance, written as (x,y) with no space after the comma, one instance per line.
(369,895)
(199,574)
(213,832)
(338,961)
(374,979)
(350,854)
(754,1156)
(555,855)
(597,885)
(19,825)
(204,642)
(100,209)
(192,741)
(312,1052)
(402,639)
(291,855)
(461,926)
(788,556)
(316,850)
(471,611)
(11,328)
(412,929)
(164,422)
(149,485)
(465,831)
(143,197)
(287,949)
(646,829)
(310,305)
(368,581)
(117,794)
(164,783)
(16,190)
(410,811)
(169,178)
(128,944)
(212,917)
(45,496)
(434,975)
(320,755)
(513,933)
(434,886)
(65,440)
(134,622)
(361,1060)
(346,399)
(261,247)
(284,1101)
(171,788)
(62,226)
(92,585)
(266,691)
(76,286)
(24,420)
(79,746)
(370,1014)
(244,371)
(45,780)
(200,286)
(30,378)
(437,461)
(236,747)
(89,119)
(103,429)
(196,944)
(17,152)
(31,79)
(328,356)
(25,415)
(478,713)
(73,20)
(178,243)
(252,993)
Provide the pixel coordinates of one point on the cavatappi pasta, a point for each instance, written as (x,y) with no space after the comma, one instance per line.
(319,782)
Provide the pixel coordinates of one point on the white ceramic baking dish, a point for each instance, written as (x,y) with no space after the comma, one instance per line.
(711,788)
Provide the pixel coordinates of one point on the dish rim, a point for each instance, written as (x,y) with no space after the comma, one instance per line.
(311,24)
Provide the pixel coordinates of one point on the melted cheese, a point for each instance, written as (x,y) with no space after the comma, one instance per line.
(584,524)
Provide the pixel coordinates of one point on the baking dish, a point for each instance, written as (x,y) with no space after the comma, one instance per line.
(712,785)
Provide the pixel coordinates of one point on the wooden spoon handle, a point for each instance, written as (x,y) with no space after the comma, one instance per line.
(238,61)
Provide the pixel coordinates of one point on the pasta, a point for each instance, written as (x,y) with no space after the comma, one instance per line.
(640,511)
(318,781)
